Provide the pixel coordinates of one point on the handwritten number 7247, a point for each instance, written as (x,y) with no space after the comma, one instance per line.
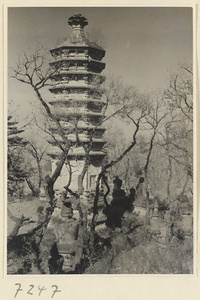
(41,289)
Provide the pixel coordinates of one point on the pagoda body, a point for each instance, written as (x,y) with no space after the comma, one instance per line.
(77,102)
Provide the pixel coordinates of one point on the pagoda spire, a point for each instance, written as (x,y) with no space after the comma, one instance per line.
(78,22)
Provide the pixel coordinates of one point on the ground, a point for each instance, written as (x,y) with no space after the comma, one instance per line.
(128,251)
(20,250)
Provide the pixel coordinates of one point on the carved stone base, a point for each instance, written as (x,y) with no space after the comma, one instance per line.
(68,263)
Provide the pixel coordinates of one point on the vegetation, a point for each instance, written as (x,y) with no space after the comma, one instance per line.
(16,172)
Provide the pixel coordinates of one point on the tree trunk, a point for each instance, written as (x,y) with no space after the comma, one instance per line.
(146,174)
(169,178)
(185,185)
(82,175)
(15,230)
(40,174)
(101,174)
(31,187)
(19,223)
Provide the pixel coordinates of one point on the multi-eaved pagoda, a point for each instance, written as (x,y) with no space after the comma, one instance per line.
(78,103)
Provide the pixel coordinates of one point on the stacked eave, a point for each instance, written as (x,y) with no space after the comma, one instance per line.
(77,93)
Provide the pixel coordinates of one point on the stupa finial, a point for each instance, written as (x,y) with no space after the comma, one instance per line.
(78,19)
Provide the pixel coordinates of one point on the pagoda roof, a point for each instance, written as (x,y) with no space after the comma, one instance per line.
(81,127)
(12,123)
(66,58)
(80,154)
(93,50)
(73,140)
(77,38)
(86,88)
(91,61)
(82,44)
(77,113)
(91,154)
(78,72)
(72,101)
(90,127)
(75,86)
(93,120)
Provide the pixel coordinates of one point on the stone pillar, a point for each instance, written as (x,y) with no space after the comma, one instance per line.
(66,231)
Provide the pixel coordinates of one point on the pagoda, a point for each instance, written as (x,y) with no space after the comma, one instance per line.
(77,103)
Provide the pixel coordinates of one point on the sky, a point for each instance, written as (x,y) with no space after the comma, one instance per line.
(143,44)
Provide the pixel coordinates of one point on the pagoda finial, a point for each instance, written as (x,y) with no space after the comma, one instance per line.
(78,19)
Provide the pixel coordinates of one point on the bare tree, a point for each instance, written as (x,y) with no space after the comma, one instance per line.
(180,91)
(31,69)
(33,167)
(177,134)
(16,173)
(128,105)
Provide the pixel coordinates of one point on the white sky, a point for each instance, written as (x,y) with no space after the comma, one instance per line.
(142,43)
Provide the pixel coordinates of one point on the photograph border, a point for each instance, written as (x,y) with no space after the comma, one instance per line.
(126,286)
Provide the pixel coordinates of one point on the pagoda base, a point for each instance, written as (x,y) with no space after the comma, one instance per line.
(89,181)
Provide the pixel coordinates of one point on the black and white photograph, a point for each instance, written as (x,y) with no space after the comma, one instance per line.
(100,140)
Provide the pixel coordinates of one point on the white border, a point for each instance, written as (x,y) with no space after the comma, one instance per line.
(146,287)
